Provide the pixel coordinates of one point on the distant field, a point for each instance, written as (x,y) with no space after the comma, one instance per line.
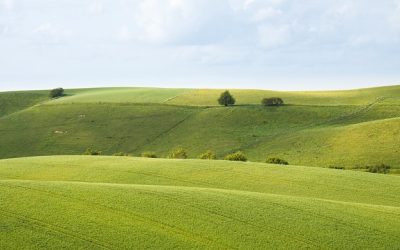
(208,97)
(342,128)
(124,202)
(121,95)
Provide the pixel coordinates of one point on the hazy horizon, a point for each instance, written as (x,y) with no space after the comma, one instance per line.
(228,87)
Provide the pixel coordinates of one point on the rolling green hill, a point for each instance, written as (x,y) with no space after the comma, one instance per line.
(207,97)
(348,128)
(11,102)
(125,202)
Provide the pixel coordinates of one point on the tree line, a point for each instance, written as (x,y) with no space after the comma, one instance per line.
(181,153)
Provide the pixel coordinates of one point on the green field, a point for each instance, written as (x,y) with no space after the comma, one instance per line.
(52,198)
(350,128)
(82,202)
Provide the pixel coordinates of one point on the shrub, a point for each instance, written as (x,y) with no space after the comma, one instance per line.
(121,154)
(149,154)
(90,151)
(238,156)
(178,153)
(273,101)
(381,169)
(54,93)
(336,167)
(208,155)
(279,161)
(226,99)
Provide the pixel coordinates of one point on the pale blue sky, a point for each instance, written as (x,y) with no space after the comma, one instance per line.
(268,44)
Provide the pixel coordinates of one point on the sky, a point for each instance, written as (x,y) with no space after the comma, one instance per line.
(264,44)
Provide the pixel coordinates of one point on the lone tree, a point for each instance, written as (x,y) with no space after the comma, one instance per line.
(226,99)
(273,101)
(58,92)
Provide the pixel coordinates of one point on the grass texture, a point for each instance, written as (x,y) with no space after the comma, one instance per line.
(124,202)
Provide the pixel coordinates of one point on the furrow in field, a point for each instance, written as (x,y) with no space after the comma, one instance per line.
(150,223)
(186,199)
(194,188)
(58,229)
(164,196)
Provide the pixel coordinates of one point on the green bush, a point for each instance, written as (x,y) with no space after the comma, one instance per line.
(275,160)
(226,99)
(90,151)
(121,154)
(238,156)
(380,169)
(208,155)
(178,153)
(272,101)
(149,154)
(56,93)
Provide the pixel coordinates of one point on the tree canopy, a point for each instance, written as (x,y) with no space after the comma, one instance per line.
(226,99)
(272,101)
(58,92)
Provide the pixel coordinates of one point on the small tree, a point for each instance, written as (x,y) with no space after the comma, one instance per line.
(226,99)
(58,92)
(277,161)
(149,154)
(208,155)
(178,153)
(90,151)
(273,101)
(238,156)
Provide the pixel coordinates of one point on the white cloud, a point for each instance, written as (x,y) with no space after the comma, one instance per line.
(44,29)
(252,3)
(124,34)
(212,54)
(394,19)
(7,4)
(273,36)
(165,20)
(96,7)
(181,22)
(4,29)
(172,36)
(266,13)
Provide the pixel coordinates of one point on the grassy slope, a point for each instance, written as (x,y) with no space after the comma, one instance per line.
(108,202)
(346,128)
(11,102)
(120,95)
(207,97)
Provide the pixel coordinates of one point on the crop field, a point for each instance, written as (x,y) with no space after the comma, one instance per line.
(126,202)
(350,129)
